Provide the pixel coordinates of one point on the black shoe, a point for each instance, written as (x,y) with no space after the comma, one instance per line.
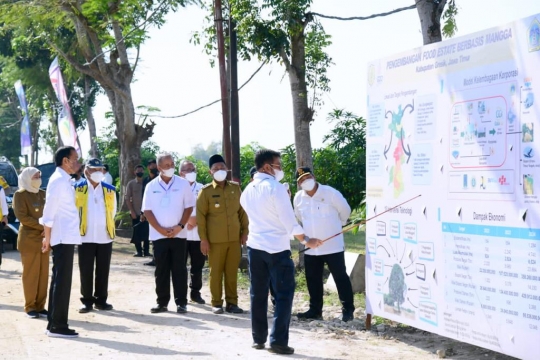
(151,263)
(43,312)
(257,346)
(158,309)
(62,333)
(280,349)
(181,309)
(309,315)
(347,316)
(85,309)
(103,307)
(233,309)
(147,255)
(32,314)
(198,299)
(137,255)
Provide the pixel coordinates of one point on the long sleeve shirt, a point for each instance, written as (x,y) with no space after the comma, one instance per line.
(193,234)
(3,202)
(322,215)
(96,230)
(271,216)
(134,195)
(60,212)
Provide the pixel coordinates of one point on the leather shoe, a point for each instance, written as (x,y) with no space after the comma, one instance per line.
(282,350)
(137,255)
(43,312)
(85,309)
(257,346)
(103,307)
(151,263)
(198,299)
(347,316)
(233,309)
(181,309)
(217,309)
(158,309)
(147,255)
(309,315)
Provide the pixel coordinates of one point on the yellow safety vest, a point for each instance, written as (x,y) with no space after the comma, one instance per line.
(81,201)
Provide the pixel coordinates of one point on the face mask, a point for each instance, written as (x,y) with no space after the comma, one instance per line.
(139,174)
(308,185)
(36,183)
(191,177)
(154,172)
(168,173)
(97,176)
(220,175)
(279,174)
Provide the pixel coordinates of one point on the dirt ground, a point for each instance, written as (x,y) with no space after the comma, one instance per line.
(131,331)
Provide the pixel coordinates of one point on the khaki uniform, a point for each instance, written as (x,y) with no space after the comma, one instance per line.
(222,221)
(28,208)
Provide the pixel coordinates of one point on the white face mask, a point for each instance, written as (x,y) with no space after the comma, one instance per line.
(220,175)
(191,177)
(97,176)
(279,174)
(168,173)
(308,185)
(36,183)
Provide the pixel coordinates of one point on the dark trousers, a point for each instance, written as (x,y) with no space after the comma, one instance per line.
(139,232)
(278,270)
(100,254)
(170,258)
(314,278)
(193,251)
(60,289)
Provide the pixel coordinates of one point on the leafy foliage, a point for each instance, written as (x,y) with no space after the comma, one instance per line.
(449,16)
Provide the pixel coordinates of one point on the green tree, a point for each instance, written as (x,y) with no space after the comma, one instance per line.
(430,13)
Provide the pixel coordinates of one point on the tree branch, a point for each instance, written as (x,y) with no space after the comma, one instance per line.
(285,58)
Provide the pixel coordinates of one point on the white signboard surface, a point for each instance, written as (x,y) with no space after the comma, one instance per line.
(458,123)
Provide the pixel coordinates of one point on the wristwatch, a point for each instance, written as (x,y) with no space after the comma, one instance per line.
(181,225)
(305,241)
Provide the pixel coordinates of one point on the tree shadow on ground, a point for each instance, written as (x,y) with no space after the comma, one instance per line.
(132,348)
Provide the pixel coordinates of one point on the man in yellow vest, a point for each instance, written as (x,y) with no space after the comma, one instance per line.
(96,205)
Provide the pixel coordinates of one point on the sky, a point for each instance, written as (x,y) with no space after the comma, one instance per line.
(176,77)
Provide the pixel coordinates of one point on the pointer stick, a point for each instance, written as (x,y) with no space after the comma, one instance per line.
(352,226)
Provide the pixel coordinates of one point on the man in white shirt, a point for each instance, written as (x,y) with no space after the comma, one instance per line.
(188,171)
(107,175)
(3,217)
(167,205)
(322,210)
(96,204)
(61,223)
(271,223)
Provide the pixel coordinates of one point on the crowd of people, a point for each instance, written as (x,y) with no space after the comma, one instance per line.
(182,219)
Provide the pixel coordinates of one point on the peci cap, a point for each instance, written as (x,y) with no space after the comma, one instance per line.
(94,163)
(301,172)
(215,159)
(252,171)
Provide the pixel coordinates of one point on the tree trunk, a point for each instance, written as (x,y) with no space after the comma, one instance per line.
(430,13)
(90,119)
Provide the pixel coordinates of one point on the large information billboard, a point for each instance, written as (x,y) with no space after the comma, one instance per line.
(458,122)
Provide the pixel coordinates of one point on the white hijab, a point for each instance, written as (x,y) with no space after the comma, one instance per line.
(25,179)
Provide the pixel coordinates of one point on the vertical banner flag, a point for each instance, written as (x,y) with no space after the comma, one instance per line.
(66,126)
(26,139)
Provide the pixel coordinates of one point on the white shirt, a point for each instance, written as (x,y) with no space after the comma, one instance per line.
(96,222)
(3,203)
(167,202)
(271,216)
(193,234)
(60,212)
(108,178)
(322,216)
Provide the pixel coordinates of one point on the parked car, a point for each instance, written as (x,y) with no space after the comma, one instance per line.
(8,172)
(46,172)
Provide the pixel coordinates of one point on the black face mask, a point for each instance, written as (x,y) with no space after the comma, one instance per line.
(139,174)
(154,172)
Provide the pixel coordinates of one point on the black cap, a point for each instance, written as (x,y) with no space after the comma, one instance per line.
(301,172)
(252,171)
(94,163)
(215,159)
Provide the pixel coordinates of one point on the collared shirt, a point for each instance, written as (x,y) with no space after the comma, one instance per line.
(193,234)
(134,194)
(220,218)
(3,203)
(60,212)
(108,178)
(271,216)
(322,215)
(167,202)
(96,230)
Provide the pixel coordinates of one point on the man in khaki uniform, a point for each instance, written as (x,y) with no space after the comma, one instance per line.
(223,228)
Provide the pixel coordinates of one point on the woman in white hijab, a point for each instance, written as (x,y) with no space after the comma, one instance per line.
(28,203)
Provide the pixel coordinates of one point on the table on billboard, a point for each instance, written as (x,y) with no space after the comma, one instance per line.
(455,122)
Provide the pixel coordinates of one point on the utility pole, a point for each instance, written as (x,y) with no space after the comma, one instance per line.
(235,116)
(218,21)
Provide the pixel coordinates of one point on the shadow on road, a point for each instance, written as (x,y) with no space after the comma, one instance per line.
(132,348)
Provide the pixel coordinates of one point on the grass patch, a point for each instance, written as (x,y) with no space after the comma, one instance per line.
(355,243)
